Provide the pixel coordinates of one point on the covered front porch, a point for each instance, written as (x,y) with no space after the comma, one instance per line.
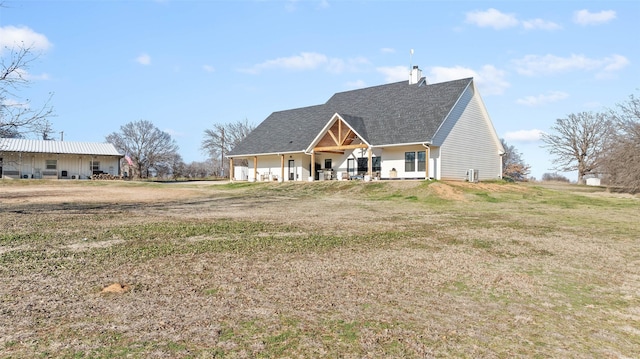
(337,153)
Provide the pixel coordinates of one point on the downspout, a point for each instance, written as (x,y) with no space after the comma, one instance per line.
(427,145)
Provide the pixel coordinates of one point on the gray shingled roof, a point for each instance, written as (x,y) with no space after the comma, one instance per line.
(61,147)
(383,115)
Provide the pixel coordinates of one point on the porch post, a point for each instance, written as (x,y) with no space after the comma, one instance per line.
(231,169)
(369,164)
(313,166)
(426,174)
(281,168)
(255,168)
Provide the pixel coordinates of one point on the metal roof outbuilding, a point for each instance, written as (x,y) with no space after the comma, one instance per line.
(60,147)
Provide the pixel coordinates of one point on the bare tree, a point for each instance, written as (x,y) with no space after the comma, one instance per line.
(18,117)
(173,168)
(221,139)
(146,145)
(199,169)
(623,158)
(513,166)
(578,143)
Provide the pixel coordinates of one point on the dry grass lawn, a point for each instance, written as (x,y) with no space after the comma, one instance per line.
(312,270)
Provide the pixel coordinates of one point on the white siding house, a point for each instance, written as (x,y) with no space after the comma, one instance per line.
(39,159)
(403,130)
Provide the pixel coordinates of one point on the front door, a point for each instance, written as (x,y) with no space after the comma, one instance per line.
(292,170)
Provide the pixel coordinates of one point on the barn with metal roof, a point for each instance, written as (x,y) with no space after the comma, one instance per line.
(38,159)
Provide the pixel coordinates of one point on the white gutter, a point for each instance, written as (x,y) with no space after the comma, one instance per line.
(423,143)
(265,154)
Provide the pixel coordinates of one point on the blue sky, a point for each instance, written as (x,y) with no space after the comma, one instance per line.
(186,65)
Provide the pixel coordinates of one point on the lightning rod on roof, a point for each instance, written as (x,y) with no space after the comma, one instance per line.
(411,59)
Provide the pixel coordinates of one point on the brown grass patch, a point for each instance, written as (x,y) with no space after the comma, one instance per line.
(116,288)
(446,191)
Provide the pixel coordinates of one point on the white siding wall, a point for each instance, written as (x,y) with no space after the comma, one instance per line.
(268,168)
(240,173)
(394,157)
(34,165)
(468,143)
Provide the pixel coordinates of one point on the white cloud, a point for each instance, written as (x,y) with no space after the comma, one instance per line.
(208,68)
(540,24)
(173,132)
(490,79)
(394,73)
(585,18)
(26,75)
(12,103)
(143,59)
(12,37)
(533,65)
(356,84)
(492,18)
(308,61)
(550,97)
(387,50)
(304,61)
(498,20)
(291,5)
(523,135)
(615,62)
(31,77)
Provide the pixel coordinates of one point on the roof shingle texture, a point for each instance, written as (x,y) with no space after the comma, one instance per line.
(382,115)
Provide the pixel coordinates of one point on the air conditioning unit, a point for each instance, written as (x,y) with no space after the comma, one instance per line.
(472,175)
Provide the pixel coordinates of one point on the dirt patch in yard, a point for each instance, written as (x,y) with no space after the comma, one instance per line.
(447,192)
(116,288)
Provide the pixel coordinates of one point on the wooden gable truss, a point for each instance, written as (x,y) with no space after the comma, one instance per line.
(338,138)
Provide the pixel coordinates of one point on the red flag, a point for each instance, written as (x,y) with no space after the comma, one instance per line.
(128,159)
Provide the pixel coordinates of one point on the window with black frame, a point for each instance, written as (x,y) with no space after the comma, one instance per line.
(409,161)
(422,161)
(363,165)
(376,164)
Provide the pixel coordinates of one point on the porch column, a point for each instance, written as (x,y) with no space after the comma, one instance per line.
(313,166)
(369,164)
(255,168)
(426,174)
(281,168)
(231,169)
